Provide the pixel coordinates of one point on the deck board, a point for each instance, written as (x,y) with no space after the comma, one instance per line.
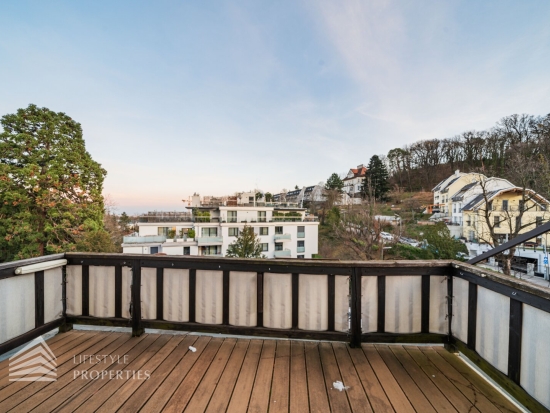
(240,374)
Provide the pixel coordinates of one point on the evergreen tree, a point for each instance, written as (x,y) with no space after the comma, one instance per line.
(334,183)
(50,187)
(376,185)
(247,245)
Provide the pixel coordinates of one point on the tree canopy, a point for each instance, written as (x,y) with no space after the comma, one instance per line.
(334,183)
(376,182)
(247,245)
(50,187)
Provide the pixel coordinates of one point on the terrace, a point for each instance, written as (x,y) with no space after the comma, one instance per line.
(389,330)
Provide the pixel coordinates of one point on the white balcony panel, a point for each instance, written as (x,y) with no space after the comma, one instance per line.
(126,292)
(176,294)
(369,304)
(53,294)
(341,303)
(149,293)
(277,300)
(209,297)
(312,302)
(438,305)
(460,309)
(403,304)
(242,298)
(535,359)
(17,306)
(492,327)
(74,289)
(102,291)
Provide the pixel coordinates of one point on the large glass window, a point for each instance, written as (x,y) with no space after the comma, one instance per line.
(278,230)
(233,232)
(278,246)
(264,230)
(505,205)
(301,246)
(265,246)
(209,232)
(261,216)
(231,216)
(164,230)
(301,232)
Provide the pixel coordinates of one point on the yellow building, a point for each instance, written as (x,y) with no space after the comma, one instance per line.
(510,210)
(444,191)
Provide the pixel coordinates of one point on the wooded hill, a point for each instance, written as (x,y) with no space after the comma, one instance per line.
(516,148)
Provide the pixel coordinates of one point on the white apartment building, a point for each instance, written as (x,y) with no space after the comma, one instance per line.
(284,231)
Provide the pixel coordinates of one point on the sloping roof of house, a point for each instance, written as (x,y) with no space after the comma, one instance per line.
(357,173)
(460,194)
(449,184)
(478,200)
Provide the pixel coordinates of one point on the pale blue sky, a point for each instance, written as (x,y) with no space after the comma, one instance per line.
(177,97)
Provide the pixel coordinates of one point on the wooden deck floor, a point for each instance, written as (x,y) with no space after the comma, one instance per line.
(238,375)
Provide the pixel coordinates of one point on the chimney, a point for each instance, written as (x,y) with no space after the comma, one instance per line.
(360,166)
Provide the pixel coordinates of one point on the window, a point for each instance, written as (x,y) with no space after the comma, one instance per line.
(186,250)
(539,221)
(264,230)
(521,205)
(164,230)
(278,246)
(300,256)
(505,205)
(209,232)
(265,246)
(301,246)
(261,216)
(154,250)
(490,206)
(278,230)
(210,250)
(250,199)
(301,232)
(496,221)
(233,232)
(231,216)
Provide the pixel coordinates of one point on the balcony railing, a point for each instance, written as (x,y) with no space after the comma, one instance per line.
(144,239)
(281,237)
(301,235)
(301,249)
(282,253)
(499,323)
(209,240)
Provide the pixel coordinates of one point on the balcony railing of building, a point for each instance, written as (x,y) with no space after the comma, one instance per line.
(301,235)
(209,240)
(144,239)
(301,249)
(281,237)
(499,323)
(285,253)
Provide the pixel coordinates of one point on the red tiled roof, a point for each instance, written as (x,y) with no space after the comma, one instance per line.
(357,172)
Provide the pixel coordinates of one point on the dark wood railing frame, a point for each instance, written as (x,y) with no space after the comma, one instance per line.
(519,292)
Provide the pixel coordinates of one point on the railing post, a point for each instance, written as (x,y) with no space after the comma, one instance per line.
(38,299)
(355,339)
(63,328)
(472,315)
(514,346)
(137,330)
(450,305)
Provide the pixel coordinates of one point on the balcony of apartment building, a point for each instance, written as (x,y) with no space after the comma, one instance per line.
(344,336)
(282,237)
(146,239)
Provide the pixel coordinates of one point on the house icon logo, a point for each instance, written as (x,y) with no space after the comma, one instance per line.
(34,362)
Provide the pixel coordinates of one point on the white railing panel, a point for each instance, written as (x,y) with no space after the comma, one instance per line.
(209,297)
(149,293)
(102,291)
(242,298)
(277,300)
(53,294)
(176,295)
(492,327)
(369,304)
(438,305)
(459,323)
(74,289)
(312,302)
(403,304)
(17,306)
(126,292)
(535,358)
(341,303)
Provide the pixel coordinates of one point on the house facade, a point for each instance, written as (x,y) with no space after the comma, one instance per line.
(353,183)
(284,232)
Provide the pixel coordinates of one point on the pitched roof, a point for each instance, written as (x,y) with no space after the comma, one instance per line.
(459,196)
(357,173)
(449,184)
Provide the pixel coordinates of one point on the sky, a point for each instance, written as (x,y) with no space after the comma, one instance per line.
(215,97)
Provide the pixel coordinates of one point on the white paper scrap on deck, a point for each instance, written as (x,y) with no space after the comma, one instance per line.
(338,385)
